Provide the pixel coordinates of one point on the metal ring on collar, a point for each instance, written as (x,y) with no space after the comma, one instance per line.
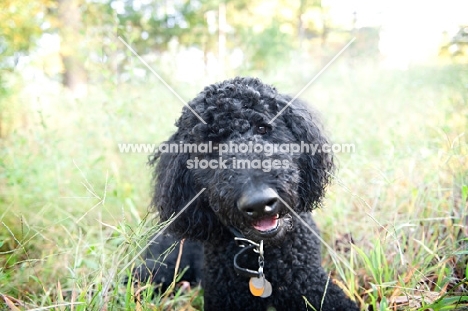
(245,271)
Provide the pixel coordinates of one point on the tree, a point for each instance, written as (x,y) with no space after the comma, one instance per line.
(72,43)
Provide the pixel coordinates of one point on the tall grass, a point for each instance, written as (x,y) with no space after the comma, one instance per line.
(73,210)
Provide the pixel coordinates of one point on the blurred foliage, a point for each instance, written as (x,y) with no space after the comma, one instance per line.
(20,25)
(262,30)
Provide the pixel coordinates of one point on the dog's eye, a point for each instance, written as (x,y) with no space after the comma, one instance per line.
(261,129)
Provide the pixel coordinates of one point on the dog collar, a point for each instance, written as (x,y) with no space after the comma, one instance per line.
(259,286)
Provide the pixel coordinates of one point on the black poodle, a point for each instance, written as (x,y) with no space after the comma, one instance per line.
(232,178)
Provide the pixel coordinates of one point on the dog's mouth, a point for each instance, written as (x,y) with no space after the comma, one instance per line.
(267,224)
(266,227)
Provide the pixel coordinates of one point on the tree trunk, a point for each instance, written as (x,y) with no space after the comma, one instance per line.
(71,46)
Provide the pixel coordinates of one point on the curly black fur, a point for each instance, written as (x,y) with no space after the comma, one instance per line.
(238,111)
(160,262)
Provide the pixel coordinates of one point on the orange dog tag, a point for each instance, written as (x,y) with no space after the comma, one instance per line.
(257,286)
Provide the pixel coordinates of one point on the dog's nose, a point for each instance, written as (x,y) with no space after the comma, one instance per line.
(257,203)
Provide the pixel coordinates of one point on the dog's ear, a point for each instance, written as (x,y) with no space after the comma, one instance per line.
(316,167)
(173,188)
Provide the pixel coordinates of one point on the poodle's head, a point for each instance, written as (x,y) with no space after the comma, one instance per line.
(248,172)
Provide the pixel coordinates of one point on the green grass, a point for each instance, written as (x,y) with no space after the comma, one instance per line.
(73,210)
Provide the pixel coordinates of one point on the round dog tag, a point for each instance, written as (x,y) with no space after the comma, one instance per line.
(268,290)
(257,286)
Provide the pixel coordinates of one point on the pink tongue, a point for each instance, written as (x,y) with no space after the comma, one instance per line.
(266,224)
